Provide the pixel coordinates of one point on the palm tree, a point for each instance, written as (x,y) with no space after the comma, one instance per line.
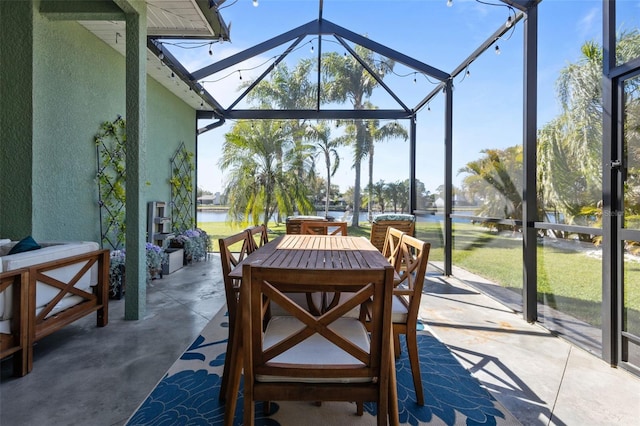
(345,79)
(290,90)
(260,181)
(398,194)
(496,178)
(375,133)
(377,192)
(327,148)
(286,89)
(570,146)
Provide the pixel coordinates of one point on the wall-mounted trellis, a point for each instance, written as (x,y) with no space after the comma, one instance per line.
(182,169)
(110,156)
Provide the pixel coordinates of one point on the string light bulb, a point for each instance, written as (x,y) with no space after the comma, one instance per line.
(509,22)
(312,48)
(414,78)
(498,50)
(210,49)
(240,74)
(449,3)
(255,3)
(468,73)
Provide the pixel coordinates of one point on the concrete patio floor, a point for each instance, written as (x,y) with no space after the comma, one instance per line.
(85,375)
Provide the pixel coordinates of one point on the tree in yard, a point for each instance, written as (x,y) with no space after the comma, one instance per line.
(376,133)
(377,193)
(496,179)
(326,148)
(346,79)
(570,145)
(260,181)
(290,90)
(398,194)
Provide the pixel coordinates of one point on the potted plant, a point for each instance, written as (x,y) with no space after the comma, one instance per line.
(154,258)
(117,274)
(195,243)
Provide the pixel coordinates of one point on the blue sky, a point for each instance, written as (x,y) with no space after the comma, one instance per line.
(487,103)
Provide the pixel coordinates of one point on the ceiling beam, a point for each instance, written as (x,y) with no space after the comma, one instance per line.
(258,49)
(327,27)
(320,27)
(371,72)
(311,114)
(266,72)
(182,73)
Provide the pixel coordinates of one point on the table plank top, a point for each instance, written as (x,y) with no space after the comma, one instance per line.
(294,251)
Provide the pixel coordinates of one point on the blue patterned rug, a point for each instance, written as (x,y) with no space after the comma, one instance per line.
(188,393)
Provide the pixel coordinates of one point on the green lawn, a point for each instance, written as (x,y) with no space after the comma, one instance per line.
(568,280)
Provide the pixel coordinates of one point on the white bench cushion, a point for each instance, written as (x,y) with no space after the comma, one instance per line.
(49,252)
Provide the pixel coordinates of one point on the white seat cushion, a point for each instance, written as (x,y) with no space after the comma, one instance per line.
(50,251)
(5,326)
(399,310)
(316,350)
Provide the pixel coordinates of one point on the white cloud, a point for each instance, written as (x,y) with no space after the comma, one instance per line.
(590,23)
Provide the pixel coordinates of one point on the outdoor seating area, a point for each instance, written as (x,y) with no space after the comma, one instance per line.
(425,215)
(44,287)
(531,373)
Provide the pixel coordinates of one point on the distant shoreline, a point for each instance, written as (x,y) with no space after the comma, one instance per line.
(213,208)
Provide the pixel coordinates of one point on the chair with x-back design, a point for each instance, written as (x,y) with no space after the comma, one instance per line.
(303,357)
(259,236)
(323,228)
(411,265)
(232,250)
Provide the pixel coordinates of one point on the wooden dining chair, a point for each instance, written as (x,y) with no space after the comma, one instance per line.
(392,244)
(232,250)
(294,223)
(403,222)
(306,358)
(258,236)
(411,265)
(323,228)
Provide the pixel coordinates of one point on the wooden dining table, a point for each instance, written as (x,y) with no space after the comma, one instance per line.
(298,251)
(315,252)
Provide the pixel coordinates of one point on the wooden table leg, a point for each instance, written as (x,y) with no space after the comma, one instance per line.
(393,388)
(235,371)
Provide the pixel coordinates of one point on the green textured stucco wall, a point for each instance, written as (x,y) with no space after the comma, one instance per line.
(170,122)
(78,82)
(16,33)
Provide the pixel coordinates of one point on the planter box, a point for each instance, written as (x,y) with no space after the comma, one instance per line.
(174,260)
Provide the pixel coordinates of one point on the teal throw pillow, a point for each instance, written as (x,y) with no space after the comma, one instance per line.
(25,244)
